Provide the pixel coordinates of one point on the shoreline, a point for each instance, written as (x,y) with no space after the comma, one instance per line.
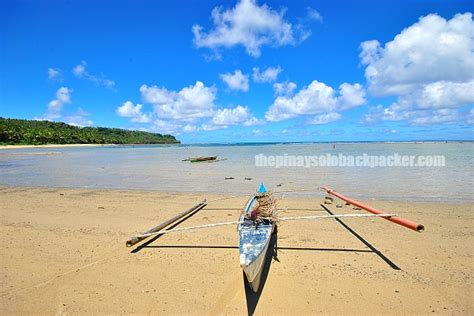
(238,143)
(294,195)
(54,146)
(64,252)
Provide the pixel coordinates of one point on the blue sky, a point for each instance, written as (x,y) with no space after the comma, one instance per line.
(227,71)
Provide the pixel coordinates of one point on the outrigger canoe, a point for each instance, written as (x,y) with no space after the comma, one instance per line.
(200,159)
(255,232)
(254,241)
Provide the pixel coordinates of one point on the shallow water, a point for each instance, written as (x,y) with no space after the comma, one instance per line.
(161,168)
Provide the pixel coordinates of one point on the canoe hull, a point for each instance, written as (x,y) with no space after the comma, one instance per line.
(253,267)
(253,246)
(201,159)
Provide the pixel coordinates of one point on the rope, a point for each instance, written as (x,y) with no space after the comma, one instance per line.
(183,229)
(296,190)
(174,230)
(334,216)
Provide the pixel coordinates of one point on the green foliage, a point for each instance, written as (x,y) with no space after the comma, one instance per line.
(30,132)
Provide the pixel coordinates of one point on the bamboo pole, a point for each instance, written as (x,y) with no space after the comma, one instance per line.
(132,241)
(397,220)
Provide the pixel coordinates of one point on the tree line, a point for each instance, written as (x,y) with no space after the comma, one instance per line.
(32,132)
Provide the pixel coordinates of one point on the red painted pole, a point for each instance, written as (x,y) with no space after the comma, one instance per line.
(397,220)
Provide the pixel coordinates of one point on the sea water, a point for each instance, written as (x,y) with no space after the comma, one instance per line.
(160,167)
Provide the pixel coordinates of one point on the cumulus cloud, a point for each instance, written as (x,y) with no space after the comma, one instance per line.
(317,98)
(188,104)
(437,117)
(210,127)
(416,117)
(54,74)
(55,110)
(63,96)
(134,112)
(429,67)
(79,118)
(314,15)
(249,25)
(236,80)
(268,75)
(284,88)
(351,95)
(234,116)
(190,109)
(80,71)
(188,128)
(165,127)
(224,118)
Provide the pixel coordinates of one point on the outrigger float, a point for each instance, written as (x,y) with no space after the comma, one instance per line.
(257,221)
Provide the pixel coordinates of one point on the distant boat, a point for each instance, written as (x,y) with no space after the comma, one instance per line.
(200,159)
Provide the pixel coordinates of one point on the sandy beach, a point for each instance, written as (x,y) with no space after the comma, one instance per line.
(64,253)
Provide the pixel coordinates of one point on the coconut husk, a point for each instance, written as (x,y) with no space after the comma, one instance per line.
(265,208)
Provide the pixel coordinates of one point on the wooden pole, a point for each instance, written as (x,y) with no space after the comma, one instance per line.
(397,220)
(132,241)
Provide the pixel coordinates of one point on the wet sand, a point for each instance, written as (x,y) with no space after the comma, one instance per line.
(63,252)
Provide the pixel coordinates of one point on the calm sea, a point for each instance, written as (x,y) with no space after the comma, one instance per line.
(160,168)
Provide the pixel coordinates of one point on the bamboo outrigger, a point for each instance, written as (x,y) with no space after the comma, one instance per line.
(136,239)
(397,220)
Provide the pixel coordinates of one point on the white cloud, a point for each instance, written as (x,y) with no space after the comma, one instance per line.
(235,116)
(437,117)
(284,88)
(210,127)
(325,118)
(189,110)
(429,67)
(165,127)
(55,109)
(415,117)
(351,95)
(63,96)
(268,75)
(247,24)
(440,94)
(189,104)
(317,98)
(431,50)
(54,74)
(78,119)
(224,118)
(80,71)
(314,15)
(236,80)
(188,128)
(134,112)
